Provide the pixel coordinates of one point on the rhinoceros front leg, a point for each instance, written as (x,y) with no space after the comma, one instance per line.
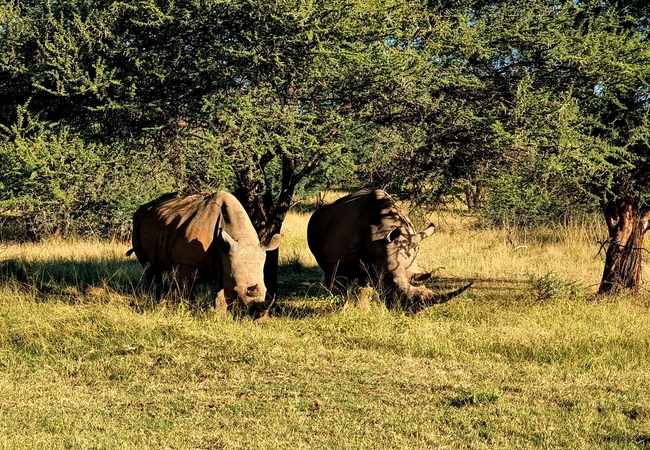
(221,304)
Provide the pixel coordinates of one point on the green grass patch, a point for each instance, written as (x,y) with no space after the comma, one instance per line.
(88,360)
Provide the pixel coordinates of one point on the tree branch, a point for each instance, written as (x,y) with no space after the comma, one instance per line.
(308,168)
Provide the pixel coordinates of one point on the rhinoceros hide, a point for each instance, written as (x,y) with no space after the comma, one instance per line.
(199,238)
(365,237)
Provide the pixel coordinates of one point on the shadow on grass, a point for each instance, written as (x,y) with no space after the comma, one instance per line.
(301,291)
(89,281)
(61,276)
(298,280)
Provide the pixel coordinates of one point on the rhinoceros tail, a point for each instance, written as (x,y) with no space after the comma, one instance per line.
(130,251)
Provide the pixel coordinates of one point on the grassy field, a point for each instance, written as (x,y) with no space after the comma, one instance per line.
(527,358)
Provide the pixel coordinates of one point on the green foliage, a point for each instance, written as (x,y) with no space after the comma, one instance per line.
(544,106)
(243,94)
(554,96)
(54,182)
(551,286)
(511,201)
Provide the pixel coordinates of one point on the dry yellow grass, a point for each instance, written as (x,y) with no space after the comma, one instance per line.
(86,362)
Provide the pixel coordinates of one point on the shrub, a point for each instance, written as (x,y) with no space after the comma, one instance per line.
(56,183)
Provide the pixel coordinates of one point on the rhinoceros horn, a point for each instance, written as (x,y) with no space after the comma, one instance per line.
(426,297)
(428,231)
(443,298)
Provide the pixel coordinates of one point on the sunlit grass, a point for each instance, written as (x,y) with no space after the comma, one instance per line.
(87,360)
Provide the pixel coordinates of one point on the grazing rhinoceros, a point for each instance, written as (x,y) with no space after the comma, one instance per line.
(204,238)
(365,237)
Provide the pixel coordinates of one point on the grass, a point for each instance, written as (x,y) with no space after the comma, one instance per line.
(527,358)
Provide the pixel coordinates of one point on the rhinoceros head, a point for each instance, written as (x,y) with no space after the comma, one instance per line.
(396,249)
(399,247)
(243,269)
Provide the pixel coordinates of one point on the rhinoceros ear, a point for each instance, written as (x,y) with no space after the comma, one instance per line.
(272,243)
(394,234)
(229,241)
(428,231)
(377,234)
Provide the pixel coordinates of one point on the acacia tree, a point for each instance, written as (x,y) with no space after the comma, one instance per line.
(268,90)
(610,53)
(311,72)
(600,68)
(548,100)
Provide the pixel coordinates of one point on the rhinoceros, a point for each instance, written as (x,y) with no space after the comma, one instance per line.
(204,238)
(365,237)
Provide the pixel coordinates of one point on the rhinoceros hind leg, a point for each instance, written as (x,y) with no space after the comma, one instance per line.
(185,278)
(154,280)
(339,278)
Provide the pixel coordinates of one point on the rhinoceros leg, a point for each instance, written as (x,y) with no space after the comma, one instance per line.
(154,280)
(221,304)
(336,284)
(185,278)
(340,277)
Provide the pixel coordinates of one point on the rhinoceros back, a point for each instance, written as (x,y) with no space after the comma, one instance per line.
(339,234)
(334,231)
(175,229)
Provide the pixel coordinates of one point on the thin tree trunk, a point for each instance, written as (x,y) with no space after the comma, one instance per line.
(469,197)
(623,262)
(474,195)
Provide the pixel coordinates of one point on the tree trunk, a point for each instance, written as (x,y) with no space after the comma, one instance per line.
(623,262)
(469,197)
(266,215)
(474,195)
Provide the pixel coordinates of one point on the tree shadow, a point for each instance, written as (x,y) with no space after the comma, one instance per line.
(62,276)
(298,280)
(301,290)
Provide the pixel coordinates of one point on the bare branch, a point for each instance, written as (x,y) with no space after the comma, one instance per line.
(602,245)
(308,168)
(266,158)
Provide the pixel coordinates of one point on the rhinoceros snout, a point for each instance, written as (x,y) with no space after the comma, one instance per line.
(259,311)
(249,295)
